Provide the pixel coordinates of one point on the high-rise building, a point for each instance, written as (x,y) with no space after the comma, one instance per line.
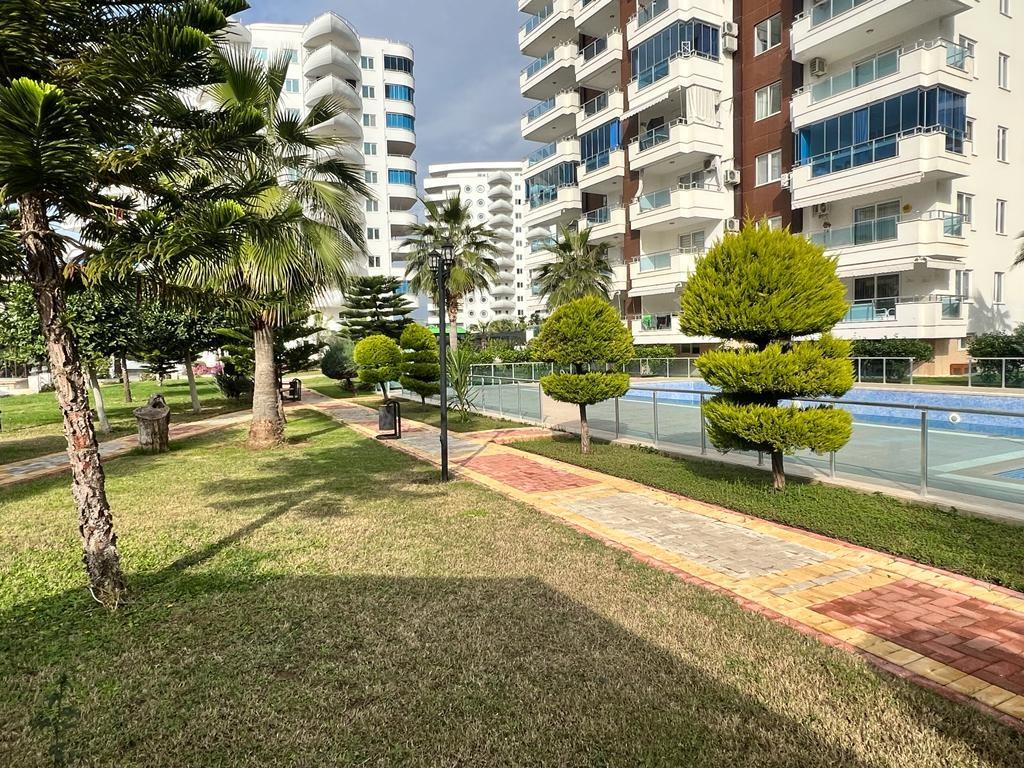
(494,193)
(882,129)
(374,79)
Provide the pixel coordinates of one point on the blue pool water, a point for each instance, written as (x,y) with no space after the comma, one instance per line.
(688,392)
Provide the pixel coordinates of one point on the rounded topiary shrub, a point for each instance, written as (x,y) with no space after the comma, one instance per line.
(378,361)
(422,367)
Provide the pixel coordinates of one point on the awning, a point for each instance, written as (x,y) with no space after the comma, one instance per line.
(654,290)
(651,103)
(904,264)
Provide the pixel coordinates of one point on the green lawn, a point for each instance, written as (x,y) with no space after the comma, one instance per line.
(326,386)
(330,604)
(976,547)
(32,423)
(431,414)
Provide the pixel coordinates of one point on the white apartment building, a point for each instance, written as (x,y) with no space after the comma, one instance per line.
(374,78)
(494,193)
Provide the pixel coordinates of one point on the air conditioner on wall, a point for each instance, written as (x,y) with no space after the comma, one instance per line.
(731,177)
(785,180)
(730,28)
(821,210)
(730,44)
(819,67)
(732,225)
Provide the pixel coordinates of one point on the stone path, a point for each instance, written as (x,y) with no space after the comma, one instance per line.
(958,636)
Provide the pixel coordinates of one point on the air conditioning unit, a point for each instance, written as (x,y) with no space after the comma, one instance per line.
(710,163)
(730,28)
(730,44)
(732,225)
(786,180)
(819,67)
(731,177)
(821,210)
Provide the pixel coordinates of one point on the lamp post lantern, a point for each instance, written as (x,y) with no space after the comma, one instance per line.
(441,263)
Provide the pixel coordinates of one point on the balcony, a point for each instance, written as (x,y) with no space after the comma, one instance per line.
(918,317)
(561,151)
(681,141)
(600,110)
(330,29)
(552,118)
(555,206)
(603,173)
(501,221)
(503,305)
(933,240)
(341,126)
(876,166)
(669,209)
(402,197)
(551,23)
(685,68)
(657,273)
(332,60)
(333,87)
(500,205)
(599,64)
(532,6)
(838,29)
(402,223)
(596,17)
(605,224)
(401,141)
(923,65)
(660,14)
(503,289)
(553,72)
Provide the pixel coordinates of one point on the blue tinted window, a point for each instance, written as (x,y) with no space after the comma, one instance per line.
(596,145)
(684,38)
(398,120)
(543,188)
(401,177)
(398,92)
(398,64)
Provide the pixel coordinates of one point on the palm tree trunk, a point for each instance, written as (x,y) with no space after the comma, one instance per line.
(267,428)
(453,328)
(88,483)
(193,391)
(97,397)
(126,380)
(584,430)
(778,471)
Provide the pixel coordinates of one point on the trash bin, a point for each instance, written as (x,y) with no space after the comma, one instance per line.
(389,421)
(154,420)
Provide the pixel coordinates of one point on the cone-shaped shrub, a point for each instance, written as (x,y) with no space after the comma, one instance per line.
(587,336)
(379,361)
(762,288)
(422,373)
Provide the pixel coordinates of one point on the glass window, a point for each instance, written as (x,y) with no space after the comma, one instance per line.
(963,283)
(371,177)
(543,187)
(369,120)
(1004,7)
(402,177)
(260,54)
(692,242)
(775,222)
(965,206)
(768,34)
(398,64)
(372,233)
(876,222)
(369,92)
(769,167)
(369,148)
(768,101)
(366,62)
(1000,217)
(1004,71)
(398,120)
(1001,135)
(597,145)
(291,55)
(398,92)
(372,206)
(683,38)
(291,85)
(997,288)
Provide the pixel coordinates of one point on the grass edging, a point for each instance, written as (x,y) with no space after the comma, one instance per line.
(981,548)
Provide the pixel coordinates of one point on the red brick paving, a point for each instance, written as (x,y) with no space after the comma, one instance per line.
(970,635)
(526,475)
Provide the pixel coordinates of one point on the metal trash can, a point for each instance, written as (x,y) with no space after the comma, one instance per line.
(389,421)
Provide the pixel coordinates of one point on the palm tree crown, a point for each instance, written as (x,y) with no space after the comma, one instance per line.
(580,268)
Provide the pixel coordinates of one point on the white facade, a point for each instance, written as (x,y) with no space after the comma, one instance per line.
(494,192)
(374,78)
(924,227)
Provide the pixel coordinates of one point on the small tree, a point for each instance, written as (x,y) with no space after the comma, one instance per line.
(338,362)
(379,361)
(373,305)
(422,373)
(761,288)
(585,334)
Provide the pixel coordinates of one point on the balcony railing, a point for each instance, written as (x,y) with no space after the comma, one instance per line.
(884,310)
(829,9)
(882,148)
(538,18)
(537,65)
(596,48)
(652,262)
(883,229)
(663,197)
(661,70)
(659,135)
(598,161)
(546,195)
(540,109)
(542,154)
(598,216)
(651,12)
(597,104)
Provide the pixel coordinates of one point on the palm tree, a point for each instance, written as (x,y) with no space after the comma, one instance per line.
(1020,251)
(475,268)
(82,85)
(580,268)
(302,227)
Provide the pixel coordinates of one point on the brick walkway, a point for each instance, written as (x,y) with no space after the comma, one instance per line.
(960,637)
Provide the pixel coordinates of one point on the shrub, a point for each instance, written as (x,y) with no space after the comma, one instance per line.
(338,362)
(996,345)
(656,350)
(422,373)
(762,287)
(232,381)
(460,380)
(379,361)
(585,332)
(921,351)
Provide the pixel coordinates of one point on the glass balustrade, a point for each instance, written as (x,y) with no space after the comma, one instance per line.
(653,262)
(541,109)
(650,12)
(595,105)
(538,18)
(542,154)
(829,9)
(596,48)
(537,65)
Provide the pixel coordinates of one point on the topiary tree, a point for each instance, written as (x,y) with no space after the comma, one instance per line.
(422,369)
(378,361)
(762,288)
(338,362)
(584,334)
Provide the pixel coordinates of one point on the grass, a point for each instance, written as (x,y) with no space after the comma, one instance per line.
(329,603)
(32,424)
(431,414)
(328,387)
(984,549)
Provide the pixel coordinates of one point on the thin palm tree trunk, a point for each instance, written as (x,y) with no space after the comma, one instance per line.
(193,391)
(88,483)
(126,380)
(97,397)
(267,428)
(453,328)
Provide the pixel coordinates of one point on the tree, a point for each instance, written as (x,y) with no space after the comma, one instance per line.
(374,305)
(338,362)
(379,362)
(587,336)
(1019,258)
(422,368)
(580,268)
(81,85)
(475,267)
(762,288)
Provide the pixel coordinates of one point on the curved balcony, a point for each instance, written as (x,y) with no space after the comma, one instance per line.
(402,197)
(237,35)
(503,289)
(498,179)
(402,163)
(332,86)
(332,60)
(402,223)
(506,274)
(504,234)
(500,192)
(505,261)
(500,205)
(330,28)
(505,248)
(503,305)
(501,222)
(401,141)
(343,126)
(539,233)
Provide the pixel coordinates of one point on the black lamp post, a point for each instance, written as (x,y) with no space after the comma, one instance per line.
(441,263)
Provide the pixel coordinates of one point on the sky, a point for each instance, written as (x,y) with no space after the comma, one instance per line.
(467,68)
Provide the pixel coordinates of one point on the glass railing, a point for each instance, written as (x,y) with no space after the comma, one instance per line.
(598,216)
(883,148)
(541,245)
(537,65)
(829,9)
(596,48)
(652,262)
(654,137)
(540,109)
(595,162)
(649,13)
(538,18)
(661,70)
(596,104)
(663,197)
(884,310)
(542,154)
(883,229)
(545,195)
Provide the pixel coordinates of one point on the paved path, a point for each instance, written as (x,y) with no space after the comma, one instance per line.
(961,637)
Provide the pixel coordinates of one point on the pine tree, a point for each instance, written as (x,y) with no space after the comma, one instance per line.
(762,288)
(374,307)
(422,369)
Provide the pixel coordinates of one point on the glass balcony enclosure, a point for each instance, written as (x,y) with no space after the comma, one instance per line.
(829,9)
(882,310)
(542,154)
(650,60)
(538,18)
(540,109)
(882,229)
(542,188)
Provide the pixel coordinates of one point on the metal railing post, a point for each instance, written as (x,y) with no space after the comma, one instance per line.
(519,400)
(832,465)
(885,373)
(1004,373)
(654,404)
(616,418)
(924,453)
(911,361)
(703,428)
(970,372)
(760,458)
(540,403)
(668,369)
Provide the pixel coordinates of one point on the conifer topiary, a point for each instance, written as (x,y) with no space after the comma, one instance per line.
(422,369)
(379,361)
(587,336)
(762,289)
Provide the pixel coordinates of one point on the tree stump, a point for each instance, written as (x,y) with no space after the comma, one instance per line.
(154,421)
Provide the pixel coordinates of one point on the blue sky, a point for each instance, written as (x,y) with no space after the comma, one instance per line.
(467,67)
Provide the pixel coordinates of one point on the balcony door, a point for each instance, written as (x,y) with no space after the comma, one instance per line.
(875,223)
(880,291)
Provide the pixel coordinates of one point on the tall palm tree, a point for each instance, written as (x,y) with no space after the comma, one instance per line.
(475,268)
(580,268)
(303,222)
(83,85)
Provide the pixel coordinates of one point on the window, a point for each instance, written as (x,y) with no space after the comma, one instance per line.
(1004,7)
(543,187)
(366,62)
(398,92)
(775,222)
(1001,133)
(1000,217)
(372,206)
(876,223)
(597,145)
(997,288)
(372,233)
(968,45)
(260,54)
(963,283)
(371,177)
(369,92)
(969,129)
(768,34)
(965,206)
(398,64)
(369,148)
(878,291)
(398,120)
(402,177)
(692,242)
(369,121)
(373,261)
(769,167)
(1004,71)
(291,55)
(768,101)
(291,85)
(687,38)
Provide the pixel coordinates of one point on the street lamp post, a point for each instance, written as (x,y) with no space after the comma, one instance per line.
(441,263)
